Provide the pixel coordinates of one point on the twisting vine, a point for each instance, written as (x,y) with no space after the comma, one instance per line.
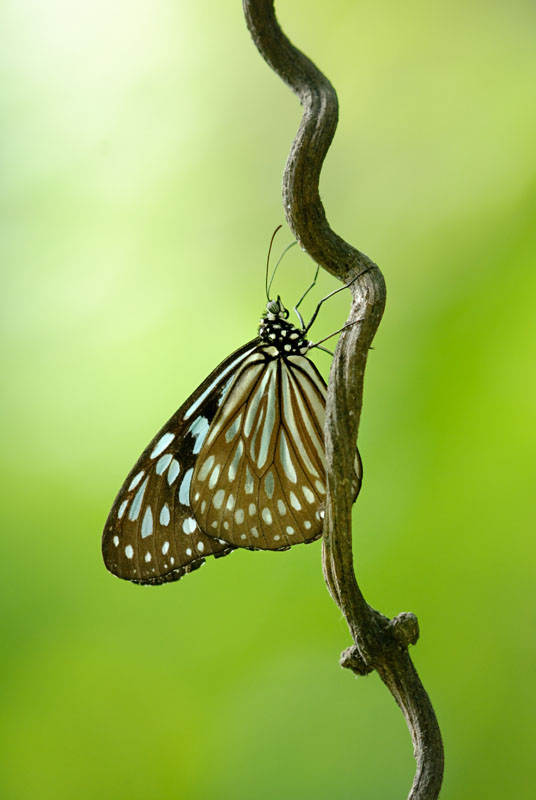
(379,643)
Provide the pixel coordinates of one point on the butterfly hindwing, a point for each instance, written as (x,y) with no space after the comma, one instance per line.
(259,480)
(151,535)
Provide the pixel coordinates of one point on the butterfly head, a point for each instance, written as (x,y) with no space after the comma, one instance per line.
(275,309)
(276,331)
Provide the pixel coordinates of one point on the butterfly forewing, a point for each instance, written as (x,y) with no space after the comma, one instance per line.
(259,480)
(152,535)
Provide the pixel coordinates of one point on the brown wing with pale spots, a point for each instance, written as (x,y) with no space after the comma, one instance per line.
(151,535)
(259,478)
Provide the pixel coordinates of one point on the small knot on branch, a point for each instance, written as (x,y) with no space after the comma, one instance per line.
(405,628)
(352,659)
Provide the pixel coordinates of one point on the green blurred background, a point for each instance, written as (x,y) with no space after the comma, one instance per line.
(143,146)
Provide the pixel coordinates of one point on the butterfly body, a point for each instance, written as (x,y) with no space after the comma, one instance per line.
(240,464)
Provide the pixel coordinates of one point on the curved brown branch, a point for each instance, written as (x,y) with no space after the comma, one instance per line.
(379,643)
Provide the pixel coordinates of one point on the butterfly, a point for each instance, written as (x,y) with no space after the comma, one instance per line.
(240,464)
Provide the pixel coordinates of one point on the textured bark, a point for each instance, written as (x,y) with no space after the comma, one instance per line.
(379,643)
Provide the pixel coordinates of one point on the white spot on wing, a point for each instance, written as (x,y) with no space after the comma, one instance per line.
(148,556)
(164,515)
(189,525)
(205,469)
(233,429)
(116,541)
(294,501)
(163,463)
(284,453)
(129,551)
(268,423)
(184,491)
(200,546)
(281,507)
(250,485)
(135,480)
(254,403)
(237,457)
(136,503)
(239,516)
(199,430)
(309,496)
(122,508)
(267,517)
(269,484)
(147,524)
(252,509)
(214,477)
(165,548)
(162,443)
(173,471)
(217,500)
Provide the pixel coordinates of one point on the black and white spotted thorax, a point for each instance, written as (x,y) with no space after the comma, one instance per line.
(276,331)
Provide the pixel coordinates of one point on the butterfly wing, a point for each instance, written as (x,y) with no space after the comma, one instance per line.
(151,534)
(259,480)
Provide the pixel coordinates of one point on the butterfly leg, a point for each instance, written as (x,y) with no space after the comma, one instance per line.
(340,289)
(304,295)
(344,328)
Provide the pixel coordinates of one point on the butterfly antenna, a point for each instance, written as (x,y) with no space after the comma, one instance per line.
(279,262)
(268,262)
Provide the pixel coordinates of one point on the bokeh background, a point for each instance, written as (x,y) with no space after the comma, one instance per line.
(142,148)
